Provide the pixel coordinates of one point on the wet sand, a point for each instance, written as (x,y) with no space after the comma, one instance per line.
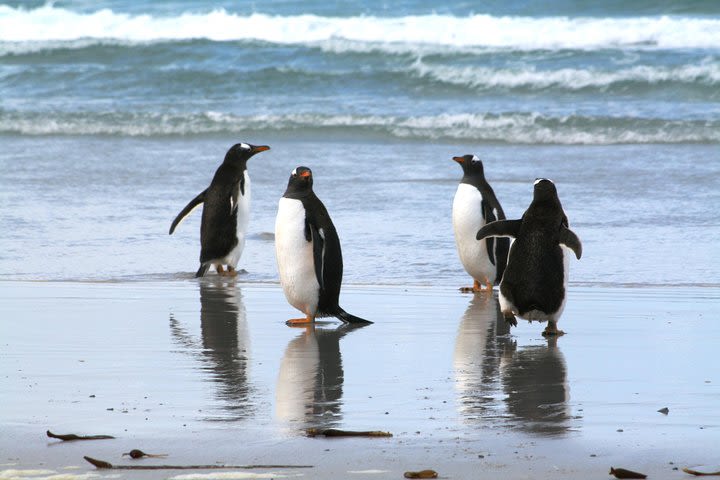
(207,372)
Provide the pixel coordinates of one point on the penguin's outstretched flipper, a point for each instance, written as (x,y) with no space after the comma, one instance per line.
(188,208)
(500,228)
(349,318)
(571,241)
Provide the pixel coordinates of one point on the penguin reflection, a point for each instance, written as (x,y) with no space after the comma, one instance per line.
(310,380)
(489,366)
(536,389)
(482,345)
(224,345)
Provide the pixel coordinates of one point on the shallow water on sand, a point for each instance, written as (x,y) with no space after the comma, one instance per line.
(206,371)
(645,213)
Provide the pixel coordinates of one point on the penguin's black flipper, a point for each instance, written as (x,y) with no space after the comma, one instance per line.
(500,228)
(188,208)
(570,240)
(318,244)
(489,217)
(349,318)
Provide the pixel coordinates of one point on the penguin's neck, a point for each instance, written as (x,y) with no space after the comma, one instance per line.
(473,179)
(237,170)
(297,193)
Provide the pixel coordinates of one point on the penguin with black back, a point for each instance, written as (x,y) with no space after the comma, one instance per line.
(534,286)
(308,253)
(225,213)
(474,206)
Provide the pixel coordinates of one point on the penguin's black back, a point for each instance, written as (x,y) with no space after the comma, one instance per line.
(534,276)
(317,214)
(218,229)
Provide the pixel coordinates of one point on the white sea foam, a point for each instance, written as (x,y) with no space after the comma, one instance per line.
(55,24)
(704,73)
(518,127)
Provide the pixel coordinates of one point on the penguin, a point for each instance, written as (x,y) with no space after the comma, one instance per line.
(534,285)
(474,206)
(308,253)
(225,213)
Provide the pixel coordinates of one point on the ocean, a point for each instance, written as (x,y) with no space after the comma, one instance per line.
(115,113)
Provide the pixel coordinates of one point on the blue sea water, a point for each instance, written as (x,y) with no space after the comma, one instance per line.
(114,114)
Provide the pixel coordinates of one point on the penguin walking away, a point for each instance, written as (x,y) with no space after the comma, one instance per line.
(308,253)
(225,213)
(534,285)
(474,206)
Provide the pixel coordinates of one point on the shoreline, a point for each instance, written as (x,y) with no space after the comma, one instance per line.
(207,372)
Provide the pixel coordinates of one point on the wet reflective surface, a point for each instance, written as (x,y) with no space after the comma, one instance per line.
(496,380)
(202,368)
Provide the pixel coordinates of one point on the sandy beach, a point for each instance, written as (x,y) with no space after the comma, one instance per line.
(206,372)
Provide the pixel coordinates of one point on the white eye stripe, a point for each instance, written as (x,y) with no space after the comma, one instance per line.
(541,179)
(294,172)
(475,158)
(245,146)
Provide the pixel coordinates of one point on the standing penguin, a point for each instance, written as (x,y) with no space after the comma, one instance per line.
(534,286)
(308,253)
(474,206)
(226,211)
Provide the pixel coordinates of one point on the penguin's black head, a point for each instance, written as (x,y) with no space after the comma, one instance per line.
(241,152)
(471,165)
(301,181)
(544,190)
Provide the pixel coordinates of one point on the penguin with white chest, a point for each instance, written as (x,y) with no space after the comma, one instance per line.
(308,253)
(534,286)
(474,206)
(225,213)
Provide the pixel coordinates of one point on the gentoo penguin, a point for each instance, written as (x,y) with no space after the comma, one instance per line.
(474,206)
(226,211)
(308,253)
(535,281)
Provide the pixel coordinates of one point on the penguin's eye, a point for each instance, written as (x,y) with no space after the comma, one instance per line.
(294,173)
(245,146)
(474,159)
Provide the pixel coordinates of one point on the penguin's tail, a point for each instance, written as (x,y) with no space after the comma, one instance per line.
(202,270)
(349,318)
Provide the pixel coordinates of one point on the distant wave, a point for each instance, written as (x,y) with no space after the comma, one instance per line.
(522,128)
(705,73)
(53,24)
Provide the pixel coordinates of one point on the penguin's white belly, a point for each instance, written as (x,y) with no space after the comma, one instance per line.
(243,216)
(296,265)
(467,220)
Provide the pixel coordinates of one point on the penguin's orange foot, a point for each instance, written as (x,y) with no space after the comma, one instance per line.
(476,288)
(489,286)
(300,322)
(231,272)
(220,270)
(552,331)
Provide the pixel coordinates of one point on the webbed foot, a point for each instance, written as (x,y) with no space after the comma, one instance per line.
(551,330)
(300,322)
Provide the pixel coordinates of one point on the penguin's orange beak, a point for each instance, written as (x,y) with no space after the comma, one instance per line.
(260,148)
(305,174)
(460,160)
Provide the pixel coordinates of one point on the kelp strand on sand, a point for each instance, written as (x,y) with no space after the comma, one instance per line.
(69,437)
(103,465)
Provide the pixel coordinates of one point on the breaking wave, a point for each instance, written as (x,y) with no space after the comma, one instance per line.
(521,128)
(50,26)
